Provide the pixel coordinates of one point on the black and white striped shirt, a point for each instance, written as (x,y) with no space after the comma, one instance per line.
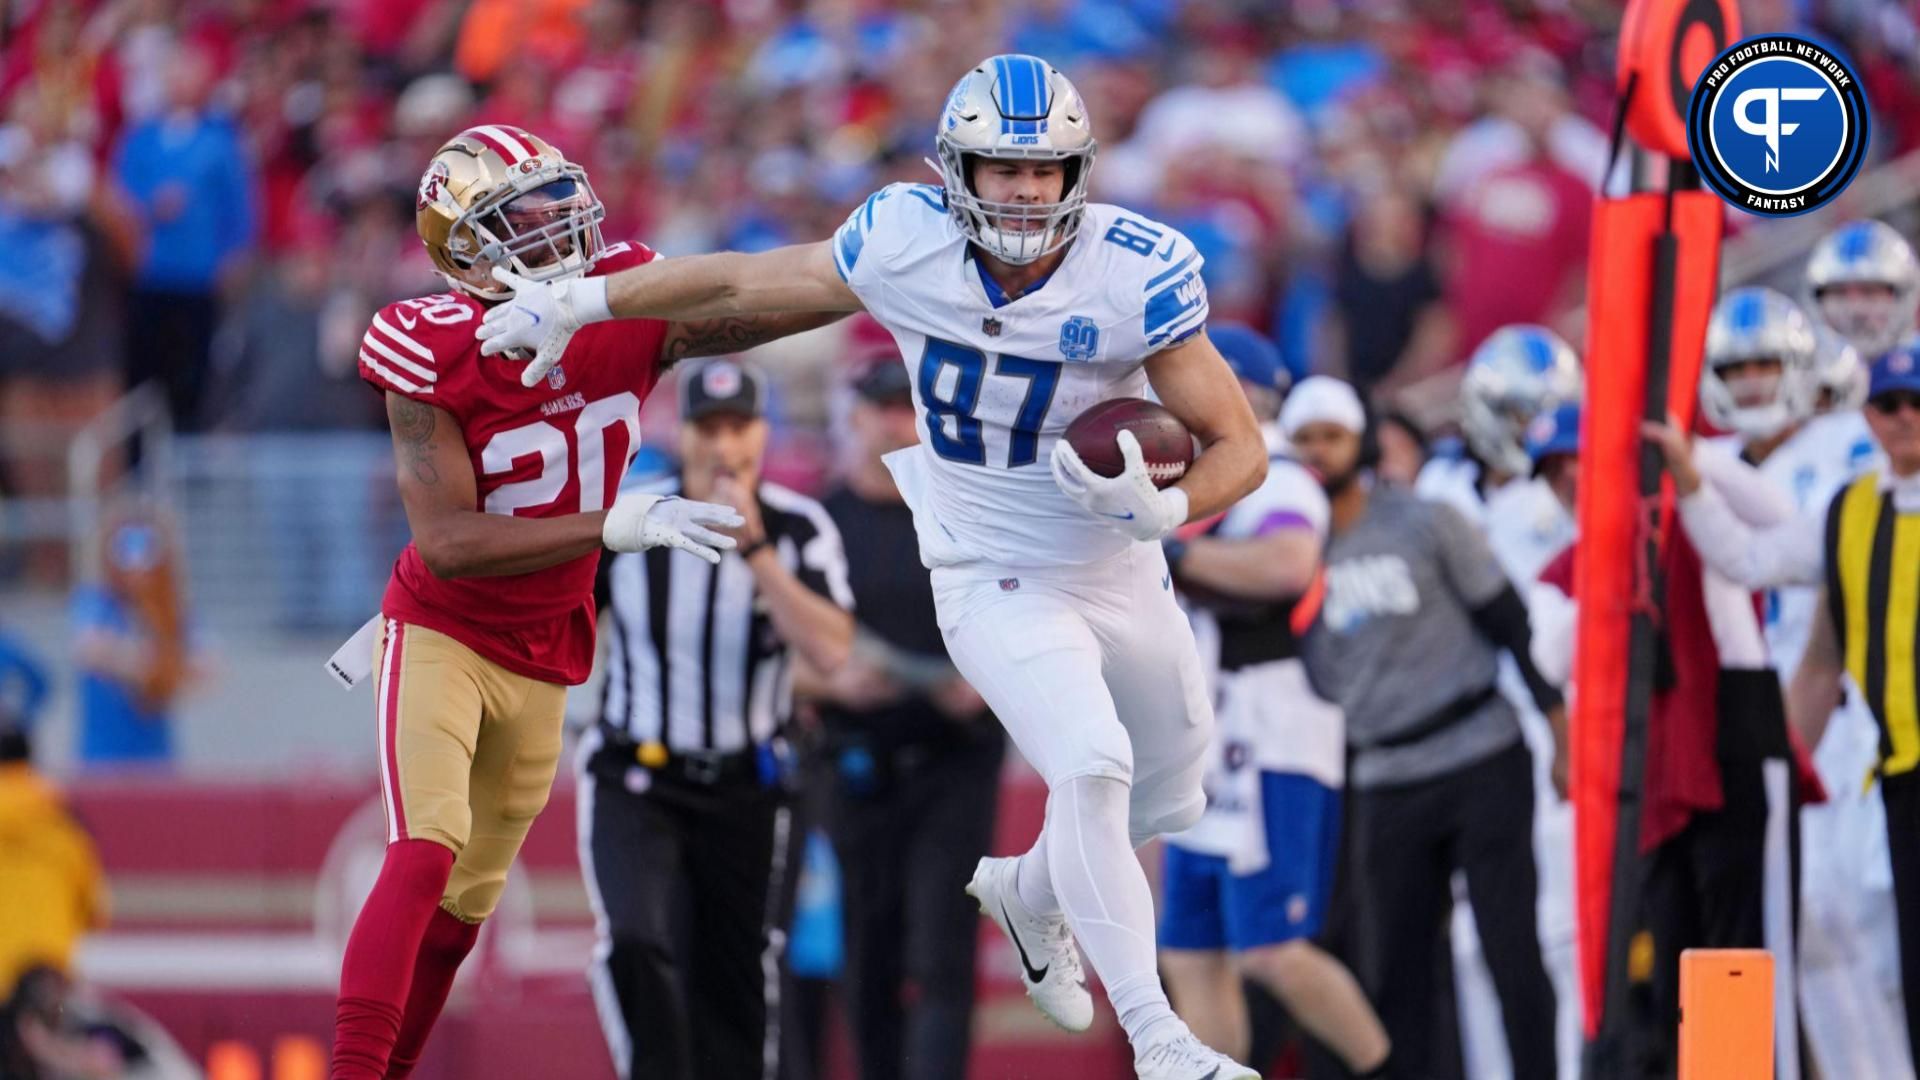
(693,659)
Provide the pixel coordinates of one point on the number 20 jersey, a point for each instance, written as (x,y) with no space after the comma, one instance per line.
(557,448)
(995,384)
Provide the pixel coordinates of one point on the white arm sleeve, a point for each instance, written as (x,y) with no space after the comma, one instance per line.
(1789,553)
(1553,616)
(1748,493)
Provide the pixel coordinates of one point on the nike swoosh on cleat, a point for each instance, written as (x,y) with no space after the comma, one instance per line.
(1211,1073)
(1034,975)
(1128,516)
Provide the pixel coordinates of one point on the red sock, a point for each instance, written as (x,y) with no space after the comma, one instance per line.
(378,969)
(447,943)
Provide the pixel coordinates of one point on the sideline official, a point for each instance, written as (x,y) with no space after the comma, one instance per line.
(684,820)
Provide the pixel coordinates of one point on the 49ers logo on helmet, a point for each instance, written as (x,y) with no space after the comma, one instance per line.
(432,185)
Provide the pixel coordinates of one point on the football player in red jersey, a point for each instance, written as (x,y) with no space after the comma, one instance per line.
(510,492)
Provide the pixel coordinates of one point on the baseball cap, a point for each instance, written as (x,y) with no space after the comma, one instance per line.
(1253,356)
(1323,399)
(721,385)
(1554,432)
(1897,369)
(887,382)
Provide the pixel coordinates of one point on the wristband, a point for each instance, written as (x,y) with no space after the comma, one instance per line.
(753,549)
(590,300)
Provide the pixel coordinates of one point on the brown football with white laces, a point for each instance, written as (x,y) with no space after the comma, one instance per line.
(1165,442)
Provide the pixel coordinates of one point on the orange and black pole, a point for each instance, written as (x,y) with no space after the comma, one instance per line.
(1652,278)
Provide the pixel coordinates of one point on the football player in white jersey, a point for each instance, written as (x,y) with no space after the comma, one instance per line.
(1864,282)
(1762,381)
(1520,374)
(1018,304)
(1245,891)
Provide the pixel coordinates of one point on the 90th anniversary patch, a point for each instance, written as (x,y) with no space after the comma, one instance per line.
(1778,125)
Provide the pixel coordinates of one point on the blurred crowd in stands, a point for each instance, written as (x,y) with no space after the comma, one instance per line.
(217,193)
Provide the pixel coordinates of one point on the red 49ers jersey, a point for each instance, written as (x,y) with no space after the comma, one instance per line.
(560,447)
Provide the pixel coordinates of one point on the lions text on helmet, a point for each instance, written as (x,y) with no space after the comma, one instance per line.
(1014,109)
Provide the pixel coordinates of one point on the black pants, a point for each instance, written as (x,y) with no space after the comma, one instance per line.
(693,890)
(1408,841)
(1706,887)
(1901,795)
(907,841)
(170,340)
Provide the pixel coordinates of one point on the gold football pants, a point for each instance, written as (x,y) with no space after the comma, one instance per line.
(467,755)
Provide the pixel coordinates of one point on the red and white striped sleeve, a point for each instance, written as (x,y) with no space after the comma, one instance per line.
(393,358)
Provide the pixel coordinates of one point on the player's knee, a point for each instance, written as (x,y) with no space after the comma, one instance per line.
(1282,964)
(1154,818)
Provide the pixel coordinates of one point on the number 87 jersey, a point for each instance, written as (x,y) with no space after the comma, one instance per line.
(558,448)
(997,381)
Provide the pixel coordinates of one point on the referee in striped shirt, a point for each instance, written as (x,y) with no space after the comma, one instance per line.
(683,817)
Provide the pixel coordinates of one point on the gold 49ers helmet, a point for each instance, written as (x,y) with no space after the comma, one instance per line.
(496,195)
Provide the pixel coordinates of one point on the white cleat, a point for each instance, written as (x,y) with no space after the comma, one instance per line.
(1184,1057)
(1049,961)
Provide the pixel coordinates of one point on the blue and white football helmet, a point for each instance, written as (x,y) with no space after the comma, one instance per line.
(1757,324)
(1865,252)
(1518,373)
(1015,106)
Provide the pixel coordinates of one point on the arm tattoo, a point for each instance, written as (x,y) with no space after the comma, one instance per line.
(413,425)
(719,337)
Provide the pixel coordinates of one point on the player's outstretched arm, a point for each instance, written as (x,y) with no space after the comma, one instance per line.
(543,316)
(1195,383)
(738,333)
(800,277)
(439,490)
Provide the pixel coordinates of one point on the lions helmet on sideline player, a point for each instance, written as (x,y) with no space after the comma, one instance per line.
(1761,373)
(1515,375)
(1864,281)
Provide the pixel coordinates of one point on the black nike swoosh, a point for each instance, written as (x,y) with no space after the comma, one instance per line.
(1211,1073)
(1034,975)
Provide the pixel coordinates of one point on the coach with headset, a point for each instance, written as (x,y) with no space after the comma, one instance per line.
(685,824)
(1415,613)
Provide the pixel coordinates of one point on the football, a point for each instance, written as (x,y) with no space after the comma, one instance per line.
(1164,441)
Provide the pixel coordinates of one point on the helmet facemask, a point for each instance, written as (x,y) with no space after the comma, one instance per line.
(545,226)
(1015,232)
(1867,313)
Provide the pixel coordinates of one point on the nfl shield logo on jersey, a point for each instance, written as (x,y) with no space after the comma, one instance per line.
(1079,338)
(990,327)
(556,378)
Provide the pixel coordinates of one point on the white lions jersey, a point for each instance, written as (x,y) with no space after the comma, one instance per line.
(1817,461)
(997,381)
(1295,732)
(1454,479)
(1522,520)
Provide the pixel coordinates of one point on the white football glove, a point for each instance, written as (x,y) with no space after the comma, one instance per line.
(541,318)
(640,521)
(1129,502)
